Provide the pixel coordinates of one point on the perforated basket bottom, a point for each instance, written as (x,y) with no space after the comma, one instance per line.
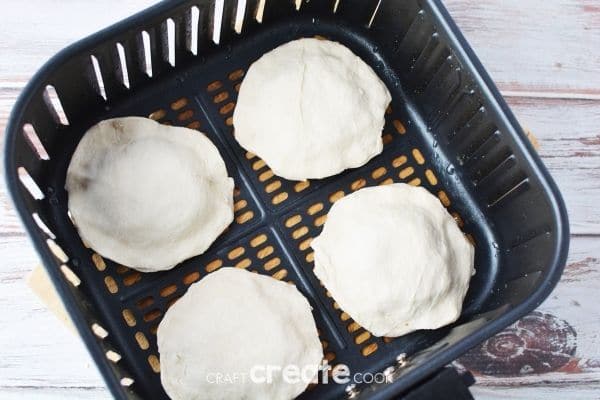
(275,219)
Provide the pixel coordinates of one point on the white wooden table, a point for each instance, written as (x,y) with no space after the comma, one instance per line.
(544,56)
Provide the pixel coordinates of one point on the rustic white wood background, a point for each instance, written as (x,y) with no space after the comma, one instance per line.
(544,56)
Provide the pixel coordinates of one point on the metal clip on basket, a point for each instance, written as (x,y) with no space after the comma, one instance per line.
(448,129)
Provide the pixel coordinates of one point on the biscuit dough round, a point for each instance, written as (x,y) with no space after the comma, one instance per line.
(147,195)
(394,259)
(229,323)
(310,109)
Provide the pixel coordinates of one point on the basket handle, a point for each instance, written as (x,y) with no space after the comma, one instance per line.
(447,383)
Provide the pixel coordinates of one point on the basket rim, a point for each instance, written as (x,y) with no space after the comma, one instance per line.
(438,360)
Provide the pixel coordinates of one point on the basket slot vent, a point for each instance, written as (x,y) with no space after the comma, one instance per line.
(517,185)
(54,105)
(44,126)
(99,331)
(204,29)
(29,184)
(517,290)
(122,66)
(523,241)
(113,356)
(429,59)
(336,4)
(216,21)
(168,41)
(374,14)
(70,276)
(475,123)
(158,44)
(229,18)
(35,143)
(432,83)
(126,381)
(110,68)
(57,250)
(192,36)
(442,91)
(182,36)
(42,225)
(147,53)
(135,60)
(186,30)
(98,80)
(497,171)
(460,107)
(478,154)
(520,257)
(154,363)
(416,37)
(250,13)
(145,302)
(393,20)
(362,12)
(475,142)
(490,158)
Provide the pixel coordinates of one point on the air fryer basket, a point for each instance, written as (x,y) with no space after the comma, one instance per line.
(447,129)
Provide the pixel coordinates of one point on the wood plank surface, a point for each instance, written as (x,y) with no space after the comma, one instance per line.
(34,30)
(544,56)
(568,131)
(566,392)
(548,48)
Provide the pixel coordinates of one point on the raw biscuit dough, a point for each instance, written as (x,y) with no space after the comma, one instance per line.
(394,259)
(147,195)
(311,109)
(228,323)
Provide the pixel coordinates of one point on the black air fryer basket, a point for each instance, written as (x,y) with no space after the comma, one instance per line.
(448,129)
